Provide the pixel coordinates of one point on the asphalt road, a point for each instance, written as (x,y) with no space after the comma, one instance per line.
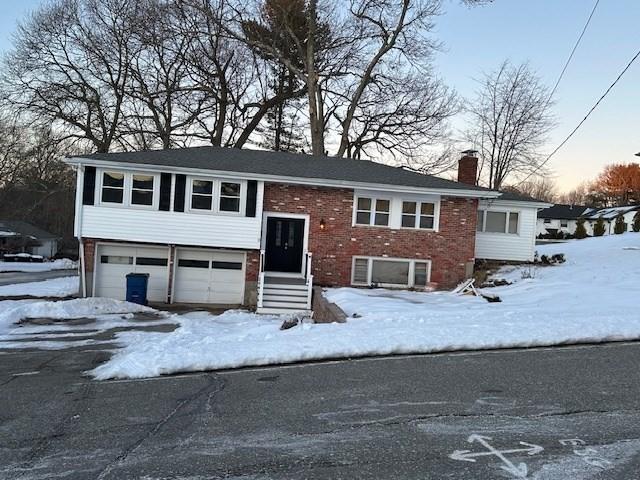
(564,413)
(9,278)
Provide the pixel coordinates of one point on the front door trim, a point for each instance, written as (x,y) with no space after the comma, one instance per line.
(305,244)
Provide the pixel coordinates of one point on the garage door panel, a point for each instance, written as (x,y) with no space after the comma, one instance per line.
(115,262)
(222,281)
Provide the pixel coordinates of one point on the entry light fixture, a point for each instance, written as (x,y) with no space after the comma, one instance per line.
(322,224)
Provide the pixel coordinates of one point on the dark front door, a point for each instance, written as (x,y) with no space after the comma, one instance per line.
(284,244)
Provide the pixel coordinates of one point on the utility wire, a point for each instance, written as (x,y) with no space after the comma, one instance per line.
(575,47)
(635,57)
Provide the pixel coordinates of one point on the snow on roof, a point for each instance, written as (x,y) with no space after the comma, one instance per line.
(611,212)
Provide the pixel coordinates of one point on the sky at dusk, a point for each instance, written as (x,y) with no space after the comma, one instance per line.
(542,32)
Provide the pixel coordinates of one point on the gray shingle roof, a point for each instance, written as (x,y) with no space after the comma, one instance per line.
(283,164)
(563,212)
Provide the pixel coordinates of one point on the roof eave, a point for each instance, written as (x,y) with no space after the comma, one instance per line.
(454,192)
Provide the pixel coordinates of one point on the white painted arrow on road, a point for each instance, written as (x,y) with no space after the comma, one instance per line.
(518,471)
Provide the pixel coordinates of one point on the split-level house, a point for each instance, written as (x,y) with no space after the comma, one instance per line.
(245,227)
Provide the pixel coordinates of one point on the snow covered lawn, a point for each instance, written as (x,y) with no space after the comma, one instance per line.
(62,264)
(593,297)
(55,287)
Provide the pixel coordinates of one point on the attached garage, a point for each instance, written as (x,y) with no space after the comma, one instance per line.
(208,276)
(114,262)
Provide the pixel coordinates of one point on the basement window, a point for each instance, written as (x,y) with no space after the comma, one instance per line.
(390,272)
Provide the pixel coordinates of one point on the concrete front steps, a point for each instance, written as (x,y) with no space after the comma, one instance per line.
(285,295)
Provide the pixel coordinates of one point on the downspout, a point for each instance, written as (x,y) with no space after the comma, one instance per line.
(78,226)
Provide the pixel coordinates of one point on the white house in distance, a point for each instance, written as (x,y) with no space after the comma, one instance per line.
(563,218)
(560,218)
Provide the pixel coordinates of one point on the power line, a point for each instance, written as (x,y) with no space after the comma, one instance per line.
(575,47)
(635,57)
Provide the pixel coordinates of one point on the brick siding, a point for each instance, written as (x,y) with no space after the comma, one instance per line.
(450,249)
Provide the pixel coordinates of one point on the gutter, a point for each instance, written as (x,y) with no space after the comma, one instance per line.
(79,168)
(323,182)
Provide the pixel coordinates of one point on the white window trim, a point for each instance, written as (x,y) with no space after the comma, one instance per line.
(127,190)
(412,271)
(417,215)
(506,232)
(215,200)
(372,218)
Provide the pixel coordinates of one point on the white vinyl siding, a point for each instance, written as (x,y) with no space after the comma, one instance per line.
(181,228)
(504,244)
(390,272)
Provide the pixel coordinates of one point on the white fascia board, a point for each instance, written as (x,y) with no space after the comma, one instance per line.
(517,203)
(321,182)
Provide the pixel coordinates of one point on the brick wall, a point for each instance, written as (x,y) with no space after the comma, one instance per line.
(449,250)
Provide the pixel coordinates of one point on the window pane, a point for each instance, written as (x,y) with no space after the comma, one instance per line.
(426,222)
(385,271)
(513,222)
(161,262)
(480,220)
(230,189)
(202,186)
(496,222)
(382,206)
(142,197)
(420,274)
(409,221)
(116,259)
(112,179)
(360,270)
(409,207)
(382,219)
(427,208)
(143,182)
(363,218)
(112,195)
(229,204)
(201,202)
(228,265)
(193,263)
(364,203)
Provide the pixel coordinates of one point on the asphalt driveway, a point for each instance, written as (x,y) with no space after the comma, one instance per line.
(563,413)
(9,278)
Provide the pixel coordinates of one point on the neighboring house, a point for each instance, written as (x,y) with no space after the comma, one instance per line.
(19,236)
(560,218)
(609,216)
(228,226)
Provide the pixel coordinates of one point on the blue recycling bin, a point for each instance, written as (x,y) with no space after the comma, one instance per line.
(137,284)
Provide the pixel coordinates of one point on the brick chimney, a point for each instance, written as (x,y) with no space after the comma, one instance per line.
(468,167)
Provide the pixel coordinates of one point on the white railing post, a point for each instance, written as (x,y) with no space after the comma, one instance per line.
(309,278)
(261,280)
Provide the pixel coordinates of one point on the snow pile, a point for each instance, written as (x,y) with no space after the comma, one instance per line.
(590,298)
(13,312)
(55,287)
(61,264)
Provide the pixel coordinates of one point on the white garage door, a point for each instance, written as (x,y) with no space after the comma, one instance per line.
(114,262)
(205,276)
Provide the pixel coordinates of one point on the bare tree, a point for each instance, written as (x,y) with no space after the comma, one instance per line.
(69,68)
(11,151)
(541,188)
(510,120)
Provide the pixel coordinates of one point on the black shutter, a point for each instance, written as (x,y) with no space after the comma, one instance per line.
(165,191)
(178,200)
(252,192)
(89,186)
